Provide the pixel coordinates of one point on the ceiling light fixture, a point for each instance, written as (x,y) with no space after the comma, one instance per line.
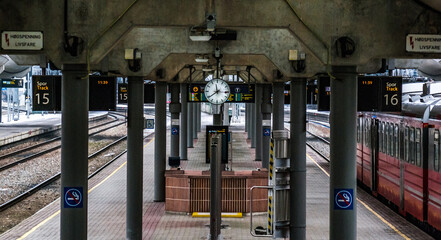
(201,58)
(199,34)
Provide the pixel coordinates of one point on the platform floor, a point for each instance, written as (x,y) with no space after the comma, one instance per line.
(107,204)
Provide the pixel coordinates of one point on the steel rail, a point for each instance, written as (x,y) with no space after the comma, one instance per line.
(27,158)
(55,177)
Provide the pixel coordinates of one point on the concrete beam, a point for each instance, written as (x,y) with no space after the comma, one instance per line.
(270,28)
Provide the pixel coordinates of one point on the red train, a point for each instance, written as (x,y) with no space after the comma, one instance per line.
(398,158)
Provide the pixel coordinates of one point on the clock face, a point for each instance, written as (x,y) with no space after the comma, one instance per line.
(217,91)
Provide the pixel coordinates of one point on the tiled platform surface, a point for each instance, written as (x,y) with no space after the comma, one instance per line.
(107,206)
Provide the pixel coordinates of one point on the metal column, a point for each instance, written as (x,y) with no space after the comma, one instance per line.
(266,125)
(184,131)
(217,119)
(278,106)
(190,125)
(198,119)
(258,119)
(216,187)
(175,109)
(253,124)
(160,140)
(74,151)
(343,188)
(226,115)
(135,132)
(194,122)
(298,159)
(247,119)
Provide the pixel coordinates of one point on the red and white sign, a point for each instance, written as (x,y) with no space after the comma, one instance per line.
(20,40)
(423,43)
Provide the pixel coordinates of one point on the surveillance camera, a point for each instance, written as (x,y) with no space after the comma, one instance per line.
(217,52)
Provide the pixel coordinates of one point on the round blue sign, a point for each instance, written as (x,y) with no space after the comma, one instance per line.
(73,197)
(343,199)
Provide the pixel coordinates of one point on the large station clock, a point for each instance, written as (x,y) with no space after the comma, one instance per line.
(217,91)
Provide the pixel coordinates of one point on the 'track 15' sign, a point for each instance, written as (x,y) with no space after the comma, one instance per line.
(20,40)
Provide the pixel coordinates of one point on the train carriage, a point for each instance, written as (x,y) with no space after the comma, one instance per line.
(434,175)
(414,167)
(388,166)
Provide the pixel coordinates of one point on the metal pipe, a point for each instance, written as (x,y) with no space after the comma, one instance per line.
(160,140)
(343,189)
(74,151)
(298,159)
(135,157)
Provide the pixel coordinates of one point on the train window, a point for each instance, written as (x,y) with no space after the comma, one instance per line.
(358,130)
(380,137)
(384,133)
(396,142)
(412,145)
(366,133)
(436,150)
(418,147)
(406,144)
(390,135)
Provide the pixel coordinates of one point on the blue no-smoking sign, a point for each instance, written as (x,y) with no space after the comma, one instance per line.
(73,197)
(266,132)
(343,199)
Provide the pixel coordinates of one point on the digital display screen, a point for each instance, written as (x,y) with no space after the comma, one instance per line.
(46,93)
(238,93)
(102,91)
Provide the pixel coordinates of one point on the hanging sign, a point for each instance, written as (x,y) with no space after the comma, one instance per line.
(21,40)
(46,93)
(423,43)
(12,83)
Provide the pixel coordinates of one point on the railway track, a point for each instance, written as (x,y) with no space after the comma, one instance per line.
(52,132)
(322,140)
(33,155)
(55,177)
(37,189)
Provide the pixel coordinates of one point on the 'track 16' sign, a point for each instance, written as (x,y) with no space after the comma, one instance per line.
(19,40)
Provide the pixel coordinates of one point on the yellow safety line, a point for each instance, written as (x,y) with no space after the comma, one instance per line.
(323,170)
(224,215)
(58,212)
(367,207)
(39,225)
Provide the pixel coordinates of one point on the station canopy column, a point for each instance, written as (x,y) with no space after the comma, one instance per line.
(135,156)
(343,189)
(160,140)
(175,109)
(298,159)
(184,121)
(74,151)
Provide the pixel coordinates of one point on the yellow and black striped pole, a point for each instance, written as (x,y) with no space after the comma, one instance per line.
(270,192)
